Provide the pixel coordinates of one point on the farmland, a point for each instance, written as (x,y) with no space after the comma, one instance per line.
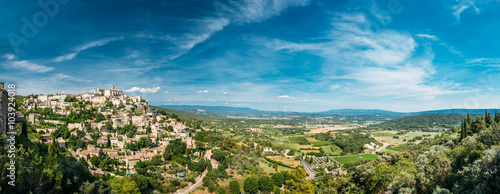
(346,159)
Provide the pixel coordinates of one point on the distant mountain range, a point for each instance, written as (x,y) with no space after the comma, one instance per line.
(226,110)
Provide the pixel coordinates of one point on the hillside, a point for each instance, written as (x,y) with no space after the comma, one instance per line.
(216,110)
(354,112)
(445,164)
(459,111)
(423,121)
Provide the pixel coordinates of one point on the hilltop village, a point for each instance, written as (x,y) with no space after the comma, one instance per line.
(110,122)
(105,141)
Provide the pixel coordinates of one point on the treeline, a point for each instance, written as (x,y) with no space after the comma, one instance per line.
(424,122)
(293,181)
(352,143)
(445,164)
(41,168)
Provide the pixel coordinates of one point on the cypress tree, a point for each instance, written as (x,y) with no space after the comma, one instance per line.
(462,131)
(487,118)
(469,120)
(497,117)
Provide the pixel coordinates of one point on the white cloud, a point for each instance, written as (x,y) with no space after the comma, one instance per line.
(143,90)
(487,62)
(245,11)
(432,37)
(24,64)
(353,42)
(335,87)
(202,91)
(9,56)
(284,96)
(380,63)
(84,47)
(461,6)
(27,65)
(166,92)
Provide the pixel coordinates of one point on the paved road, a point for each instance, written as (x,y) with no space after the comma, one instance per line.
(309,169)
(195,185)
(198,182)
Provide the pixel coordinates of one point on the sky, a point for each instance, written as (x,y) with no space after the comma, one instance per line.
(280,55)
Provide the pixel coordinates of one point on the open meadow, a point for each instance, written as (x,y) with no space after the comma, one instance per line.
(346,159)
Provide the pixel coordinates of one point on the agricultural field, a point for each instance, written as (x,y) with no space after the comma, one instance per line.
(308,147)
(270,170)
(383,134)
(285,160)
(307,151)
(329,151)
(346,159)
(324,162)
(321,143)
(398,149)
(402,138)
(390,151)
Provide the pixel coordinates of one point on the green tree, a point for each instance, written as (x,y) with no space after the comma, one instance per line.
(234,187)
(174,148)
(265,183)
(94,160)
(278,179)
(219,155)
(297,181)
(221,190)
(251,184)
(124,185)
(199,144)
(95,187)
(487,118)
(497,117)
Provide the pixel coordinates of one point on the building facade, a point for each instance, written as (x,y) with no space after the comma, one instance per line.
(4,108)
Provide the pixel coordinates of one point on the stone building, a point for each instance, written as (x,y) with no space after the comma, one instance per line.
(4,108)
(112,92)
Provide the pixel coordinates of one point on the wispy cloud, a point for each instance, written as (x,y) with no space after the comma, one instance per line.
(247,11)
(376,63)
(462,5)
(84,47)
(143,90)
(284,96)
(24,64)
(432,37)
(237,12)
(202,91)
(9,56)
(487,62)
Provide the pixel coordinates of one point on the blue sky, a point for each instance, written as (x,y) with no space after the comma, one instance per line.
(285,55)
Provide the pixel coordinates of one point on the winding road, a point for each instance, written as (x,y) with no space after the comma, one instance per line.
(309,169)
(195,185)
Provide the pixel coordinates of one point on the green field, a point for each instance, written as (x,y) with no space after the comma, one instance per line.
(320,143)
(407,136)
(347,159)
(383,134)
(328,150)
(390,151)
(265,166)
(398,148)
